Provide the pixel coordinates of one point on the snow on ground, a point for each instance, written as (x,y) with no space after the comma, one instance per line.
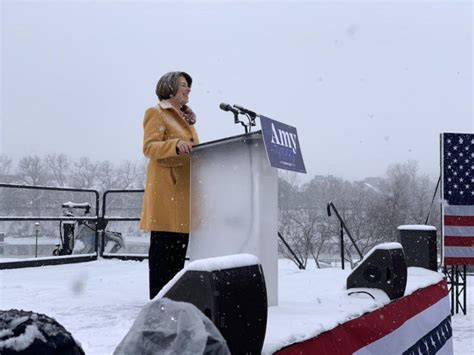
(98,301)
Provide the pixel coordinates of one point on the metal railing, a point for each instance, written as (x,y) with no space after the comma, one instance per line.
(104,220)
(53,260)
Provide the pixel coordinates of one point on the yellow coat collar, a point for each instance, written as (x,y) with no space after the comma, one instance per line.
(166,105)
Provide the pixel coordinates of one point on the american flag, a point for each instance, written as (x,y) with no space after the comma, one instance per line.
(458,198)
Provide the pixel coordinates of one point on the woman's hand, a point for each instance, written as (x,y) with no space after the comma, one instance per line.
(184,146)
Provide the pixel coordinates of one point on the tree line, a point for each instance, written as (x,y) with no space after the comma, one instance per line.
(372,208)
(61,171)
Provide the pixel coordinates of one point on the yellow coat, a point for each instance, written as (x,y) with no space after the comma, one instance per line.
(166,205)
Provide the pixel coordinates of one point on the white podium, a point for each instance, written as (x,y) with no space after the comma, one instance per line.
(234,204)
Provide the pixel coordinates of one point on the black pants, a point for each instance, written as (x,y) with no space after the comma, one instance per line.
(165,258)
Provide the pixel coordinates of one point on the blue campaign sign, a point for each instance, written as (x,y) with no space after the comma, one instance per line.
(282,145)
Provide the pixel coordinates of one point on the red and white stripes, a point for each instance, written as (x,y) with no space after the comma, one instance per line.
(458,235)
(419,323)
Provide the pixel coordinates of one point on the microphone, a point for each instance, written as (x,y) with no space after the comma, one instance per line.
(246,111)
(226,107)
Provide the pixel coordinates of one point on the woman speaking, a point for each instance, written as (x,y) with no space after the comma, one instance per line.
(169,135)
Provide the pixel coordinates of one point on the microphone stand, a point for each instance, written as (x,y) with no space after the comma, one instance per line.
(251,120)
(239,110)
(237,121)
(251,123)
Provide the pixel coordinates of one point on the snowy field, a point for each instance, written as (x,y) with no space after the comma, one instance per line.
(98,301)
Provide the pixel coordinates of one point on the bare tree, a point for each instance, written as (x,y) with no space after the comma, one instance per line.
(58,166)
(303,217)
(84,174)
(299,226)
(107,176)
(129,172)
(32,171)
(5,165)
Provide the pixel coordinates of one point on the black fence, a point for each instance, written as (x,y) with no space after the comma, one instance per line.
(43,225)
(118,202)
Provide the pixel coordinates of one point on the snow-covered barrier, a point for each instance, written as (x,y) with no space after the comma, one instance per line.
(167,327)
(419,323)
(29,333)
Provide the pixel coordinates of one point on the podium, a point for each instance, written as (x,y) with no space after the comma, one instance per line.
(234,204)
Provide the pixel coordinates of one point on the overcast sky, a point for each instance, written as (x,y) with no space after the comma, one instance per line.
(367,84)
